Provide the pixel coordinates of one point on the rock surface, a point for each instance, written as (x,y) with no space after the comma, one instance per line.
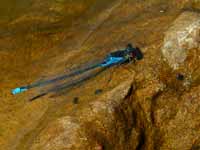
(142,105)
(183,35)
(97,123)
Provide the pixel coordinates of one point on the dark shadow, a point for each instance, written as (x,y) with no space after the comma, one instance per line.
(65,76)
(68,86)
(140,146)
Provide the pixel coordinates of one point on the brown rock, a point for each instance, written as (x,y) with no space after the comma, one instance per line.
(183,35)
(142,107)
(101,123)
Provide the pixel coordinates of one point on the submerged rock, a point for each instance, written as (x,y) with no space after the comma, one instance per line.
(183,35)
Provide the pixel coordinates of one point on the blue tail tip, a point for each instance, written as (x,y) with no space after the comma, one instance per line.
(18,90)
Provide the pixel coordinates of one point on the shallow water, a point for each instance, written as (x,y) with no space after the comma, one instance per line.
(10,9)
(26,55)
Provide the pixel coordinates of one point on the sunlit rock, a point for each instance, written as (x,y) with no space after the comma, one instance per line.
(183,35)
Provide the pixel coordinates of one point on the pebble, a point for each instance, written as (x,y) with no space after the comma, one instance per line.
(180,77)
(98,91)
(75,100)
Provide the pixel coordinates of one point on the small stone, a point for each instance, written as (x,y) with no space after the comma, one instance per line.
(75,100)
(180,77)
(98,91)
